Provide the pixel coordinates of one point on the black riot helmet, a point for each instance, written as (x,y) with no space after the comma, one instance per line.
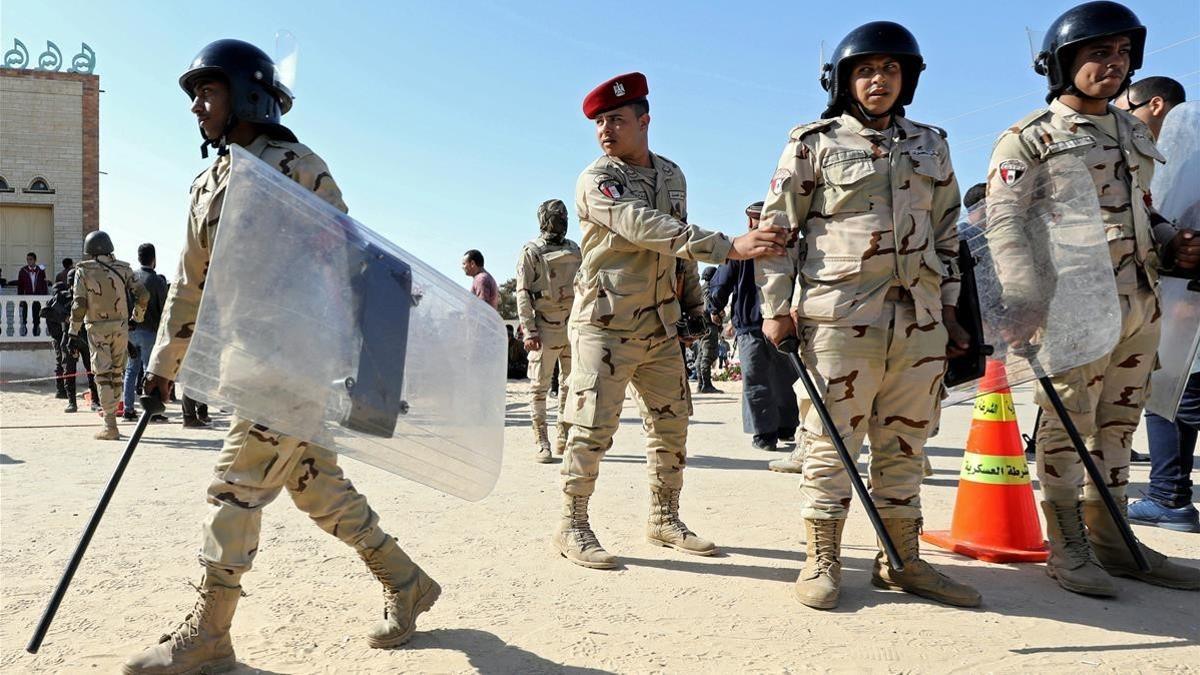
(97,243)
(877,37)
(1080,24)
(255,93)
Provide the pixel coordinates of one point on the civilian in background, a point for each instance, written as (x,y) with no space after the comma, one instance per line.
(141,334)
(483,285)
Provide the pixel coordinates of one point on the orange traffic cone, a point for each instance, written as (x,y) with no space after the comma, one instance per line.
(995,518)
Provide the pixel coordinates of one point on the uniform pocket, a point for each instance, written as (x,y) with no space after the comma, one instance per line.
(581,407)
(844,173)
(927,172)
(618,296)
(829,286)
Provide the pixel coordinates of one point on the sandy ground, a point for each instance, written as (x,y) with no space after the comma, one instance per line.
(511,605)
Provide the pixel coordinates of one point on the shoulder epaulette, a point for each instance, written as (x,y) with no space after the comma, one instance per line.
(1029,119)
(940,131)
(804,129)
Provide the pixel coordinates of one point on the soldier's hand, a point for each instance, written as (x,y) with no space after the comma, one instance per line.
(1184,249)
(779,328)
(156,385)
(533,344)
(958,340)
(717,319)
(759,242)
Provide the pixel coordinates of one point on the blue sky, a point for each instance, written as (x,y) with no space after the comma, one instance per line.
(446,124)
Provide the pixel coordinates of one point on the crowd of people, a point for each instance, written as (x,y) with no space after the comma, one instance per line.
(105,315)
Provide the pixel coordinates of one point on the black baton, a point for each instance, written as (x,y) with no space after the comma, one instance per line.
(150,406)
(790,346)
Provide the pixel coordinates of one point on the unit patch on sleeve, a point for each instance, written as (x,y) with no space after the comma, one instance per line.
(1011,171)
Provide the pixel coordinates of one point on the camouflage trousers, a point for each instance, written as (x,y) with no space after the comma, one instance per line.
(253,466)
(706,347)
(109,344)
(881,382)
(604,366)
(1105,400)
(555,349)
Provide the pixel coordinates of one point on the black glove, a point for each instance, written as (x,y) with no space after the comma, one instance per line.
(73,343)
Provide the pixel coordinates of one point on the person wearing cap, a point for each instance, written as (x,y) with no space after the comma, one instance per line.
(237,99)
(769,410)
(1088,56)
(102,288)
(545,290)
(872,279)
(632,207)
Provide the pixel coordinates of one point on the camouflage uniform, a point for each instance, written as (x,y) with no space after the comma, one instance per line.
(706,350)
(545,280)
(1104,397)
(99,303)
(876,263)
(255,463)
(622,331)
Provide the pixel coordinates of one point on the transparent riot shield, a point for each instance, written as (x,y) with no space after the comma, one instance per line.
(316,327)
(1176,190)
(1047,294)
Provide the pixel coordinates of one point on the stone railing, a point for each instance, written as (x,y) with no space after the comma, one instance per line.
(19,320)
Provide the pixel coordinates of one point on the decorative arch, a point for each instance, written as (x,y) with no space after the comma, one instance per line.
(4,186)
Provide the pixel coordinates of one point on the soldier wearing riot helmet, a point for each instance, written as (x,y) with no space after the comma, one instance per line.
(874,201)
(226,83)
(1090,54)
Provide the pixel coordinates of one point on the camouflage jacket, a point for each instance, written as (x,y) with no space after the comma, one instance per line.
(1120,167)
(545,283)
(873,210)
(99,290)
(208,190)
(633,232)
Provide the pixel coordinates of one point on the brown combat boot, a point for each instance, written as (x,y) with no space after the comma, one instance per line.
(793,463)
(820,581)
(1116,559)
(575,539)
(200,644)
(407,592)
(664,527)
(543,444)
(560,443)
(110,432)
(1072,562)
(919,577)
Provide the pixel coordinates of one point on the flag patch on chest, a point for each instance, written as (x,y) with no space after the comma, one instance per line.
(1011,171)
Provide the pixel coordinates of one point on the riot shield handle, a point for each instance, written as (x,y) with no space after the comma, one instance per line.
(791,347)
(150,406)
(1029,353)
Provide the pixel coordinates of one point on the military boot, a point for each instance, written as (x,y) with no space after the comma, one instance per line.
(1116,559)
(110,432)
(1072,562)
(543,444)
(200,644)
(793,463)
(919,577)
(60,387)
(821,579)
(575,539)
(666,529)
(560,442)
(72,404)
(407,592)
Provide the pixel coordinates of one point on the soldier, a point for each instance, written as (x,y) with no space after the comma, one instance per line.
(545,280)
(632,207)
(874,199)
(1089,55)
(72,354)
(706,347)
(102,286)
(237,99)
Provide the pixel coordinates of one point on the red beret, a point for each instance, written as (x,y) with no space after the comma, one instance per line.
(619,91)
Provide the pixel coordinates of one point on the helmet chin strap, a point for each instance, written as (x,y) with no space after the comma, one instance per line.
(222,143)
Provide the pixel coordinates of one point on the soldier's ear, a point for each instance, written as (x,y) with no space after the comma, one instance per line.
(644,121)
